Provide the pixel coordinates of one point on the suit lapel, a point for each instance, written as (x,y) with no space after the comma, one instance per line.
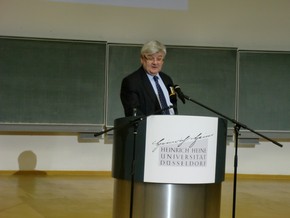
(148,87)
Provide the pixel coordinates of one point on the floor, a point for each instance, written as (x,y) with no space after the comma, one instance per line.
(39,196)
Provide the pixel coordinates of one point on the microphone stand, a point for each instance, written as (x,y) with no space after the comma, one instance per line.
(135,124)
(133,165)
(237,126)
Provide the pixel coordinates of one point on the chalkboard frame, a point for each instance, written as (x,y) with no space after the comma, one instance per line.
(115,75)
(104,91)
(263,75)
(91,76)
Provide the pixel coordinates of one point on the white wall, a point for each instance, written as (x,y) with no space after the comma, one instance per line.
(264,158)
(248,24)
(58,152)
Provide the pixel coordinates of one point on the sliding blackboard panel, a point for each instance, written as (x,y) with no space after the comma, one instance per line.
(207,75)
(52,83)
(264,102)
(123,59)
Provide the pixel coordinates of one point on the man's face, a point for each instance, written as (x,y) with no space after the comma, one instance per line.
(153,63)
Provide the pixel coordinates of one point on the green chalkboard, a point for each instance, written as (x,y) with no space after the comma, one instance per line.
(207,75)
(52,83)
(264,90)
(122,60)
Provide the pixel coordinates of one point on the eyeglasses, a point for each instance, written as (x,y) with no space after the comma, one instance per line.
(157,59)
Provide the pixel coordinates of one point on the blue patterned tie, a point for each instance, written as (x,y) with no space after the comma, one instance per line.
(161,96)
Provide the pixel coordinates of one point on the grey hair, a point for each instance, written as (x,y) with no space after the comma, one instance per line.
(153,47)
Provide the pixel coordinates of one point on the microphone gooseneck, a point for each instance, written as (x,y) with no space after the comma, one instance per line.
(180,94)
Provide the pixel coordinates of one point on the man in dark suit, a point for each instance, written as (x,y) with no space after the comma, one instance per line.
(139,92)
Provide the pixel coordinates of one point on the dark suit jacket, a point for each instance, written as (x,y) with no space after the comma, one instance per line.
(137,92)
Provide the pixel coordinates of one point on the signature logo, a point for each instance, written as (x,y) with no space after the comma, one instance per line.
(188,141)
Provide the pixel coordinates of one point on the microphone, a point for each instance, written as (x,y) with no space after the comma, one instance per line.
(180,94)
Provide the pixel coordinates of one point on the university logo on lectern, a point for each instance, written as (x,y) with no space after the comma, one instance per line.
(178,148)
